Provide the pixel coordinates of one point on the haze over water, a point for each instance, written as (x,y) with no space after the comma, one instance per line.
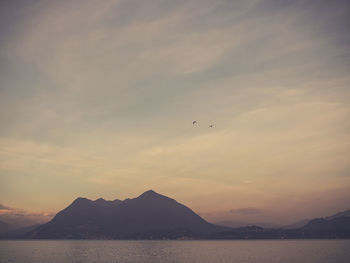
(286,251)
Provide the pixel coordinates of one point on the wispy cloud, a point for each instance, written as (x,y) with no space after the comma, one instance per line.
(3,208)
(21,218)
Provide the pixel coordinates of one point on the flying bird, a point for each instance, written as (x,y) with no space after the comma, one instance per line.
(194,122)
(211,125)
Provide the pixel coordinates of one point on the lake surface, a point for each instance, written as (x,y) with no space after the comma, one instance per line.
(92,251)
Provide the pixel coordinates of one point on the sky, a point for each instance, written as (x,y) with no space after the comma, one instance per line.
(97,99)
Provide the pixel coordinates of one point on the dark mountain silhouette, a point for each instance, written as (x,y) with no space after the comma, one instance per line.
(297,224)
(20,232)
(4,227)
(149,215)
(238,224)
(344,213)
(338,227)
(335,225)
(302,223)
(155,216)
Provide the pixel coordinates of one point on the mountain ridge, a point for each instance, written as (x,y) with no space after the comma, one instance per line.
(142,216)
(154,216)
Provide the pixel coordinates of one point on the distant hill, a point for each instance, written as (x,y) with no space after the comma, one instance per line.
(340,214)
(298,224)
(328,228)
(302,223)
(20,232)
(4,227)
(237,224)
(342,223)
(148,216)
(318,228)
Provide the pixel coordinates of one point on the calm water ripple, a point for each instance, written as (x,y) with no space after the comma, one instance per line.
(88,251)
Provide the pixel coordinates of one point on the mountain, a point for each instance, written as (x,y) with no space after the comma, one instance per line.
(337,227)
(238,224)
(14,233)
(147,216)
(302,223)
(297,224)
(155,216)
(4,227)
(318,228)
(342,222)
(344,213)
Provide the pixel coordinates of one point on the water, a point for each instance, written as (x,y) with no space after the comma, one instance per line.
(90,251)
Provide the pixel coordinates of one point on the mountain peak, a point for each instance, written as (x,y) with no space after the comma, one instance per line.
(81,200)
(100,201)
(149,194)
(106,203)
